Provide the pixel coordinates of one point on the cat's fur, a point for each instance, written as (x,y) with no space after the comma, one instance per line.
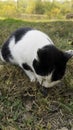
(36,54)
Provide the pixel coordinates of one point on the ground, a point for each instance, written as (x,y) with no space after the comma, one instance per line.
(27,106)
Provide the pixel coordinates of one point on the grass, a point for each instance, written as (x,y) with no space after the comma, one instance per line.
(25,105)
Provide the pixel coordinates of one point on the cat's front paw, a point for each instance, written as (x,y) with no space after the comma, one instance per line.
(33,79)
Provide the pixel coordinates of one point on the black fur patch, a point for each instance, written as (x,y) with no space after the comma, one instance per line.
(20,32)
(5,51)
(26,67)
(50,59)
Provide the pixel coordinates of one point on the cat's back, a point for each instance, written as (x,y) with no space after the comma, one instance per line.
(23,42)
(31,39)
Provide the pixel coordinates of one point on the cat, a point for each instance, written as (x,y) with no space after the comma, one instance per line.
(36,54)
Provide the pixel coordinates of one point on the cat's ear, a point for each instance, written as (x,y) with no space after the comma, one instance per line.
(68,54)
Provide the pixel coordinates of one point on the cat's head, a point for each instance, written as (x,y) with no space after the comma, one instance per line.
(51,61)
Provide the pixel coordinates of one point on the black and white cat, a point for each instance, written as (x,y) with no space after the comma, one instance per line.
(36,54)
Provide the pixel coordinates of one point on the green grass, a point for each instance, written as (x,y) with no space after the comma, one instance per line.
(23,105)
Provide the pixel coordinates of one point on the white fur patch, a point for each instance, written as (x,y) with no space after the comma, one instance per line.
(2,59)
